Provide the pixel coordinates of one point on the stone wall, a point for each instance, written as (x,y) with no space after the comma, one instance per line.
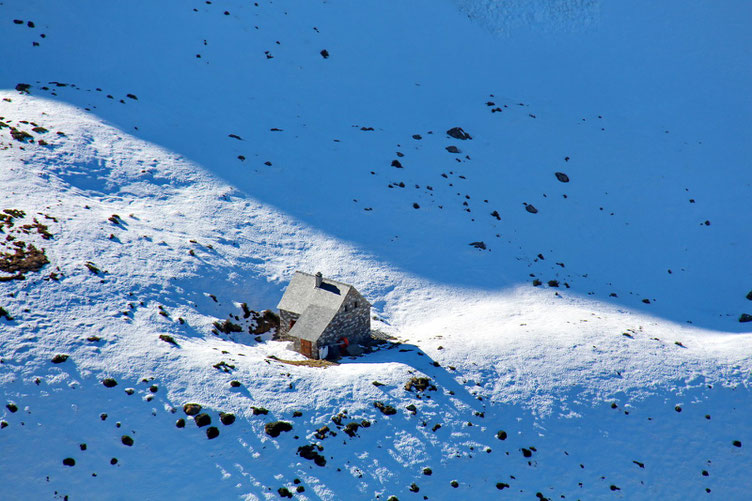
(354,324)
(285,317)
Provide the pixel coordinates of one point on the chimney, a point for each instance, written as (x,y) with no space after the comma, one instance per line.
(319,277)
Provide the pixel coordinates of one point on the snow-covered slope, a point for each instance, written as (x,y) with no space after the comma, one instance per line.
(174,187)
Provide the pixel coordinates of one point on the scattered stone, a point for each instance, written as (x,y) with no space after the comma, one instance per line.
(478,245)
(641,465)
(745,317)
(397,164)
(502,486)
(526,452)
(736,443)
(387,410)
(59,359)
(235,384)
(259,410)
(169,339)
(749,295)
(180,423)
(351,428)
(454,484)
(310,452)
(109,382)
(212,432)
(411,408)
(496,215)
(192,409)
(414,487)
(427,471)
(113,461)
(420,384)
(325,54)
(562,177)
(537,282)
(69,462)
(553,283)
(202,420)
(377,384)
(11,407)
(453,149)
(3,424)
(501,435)
(531,209)
(458,133)
(274,428)
(297,414)
(126,440)
(227,418)
(284,492)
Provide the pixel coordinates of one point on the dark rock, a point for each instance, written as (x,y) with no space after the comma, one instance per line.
(745,317)
(458,133)
(397,164)
(562,177)
(131,96)
(126,440)
(501,435)
(109,382)
(377,383)
(454,484)
(297,414)
(496,215)
(325,54)
(309,452)
(749,295)
(420,384)
(411,408)
(641,465)
(154,388)
(3,424)
(553,283)
(537,282)
(453,149)
(259,410)
(414,487)
(417,137)
(82,447)
(274,428)
(202,420)
(169,339)
(427,471)
(284,492)
(531,209)
(113,461)
(69,462)
(192,409)
(502,486)
(736,443)
(59,359)
(416,206)
(235,384)
(387,410)
(646,301)
(478,245)
(23,87)
(227,418)
(526,452)
(351,429)
(212,432)
(180,423)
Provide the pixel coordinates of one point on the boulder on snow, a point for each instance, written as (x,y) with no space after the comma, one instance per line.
(274,428)
(191,409)
(458,133)
(562,177)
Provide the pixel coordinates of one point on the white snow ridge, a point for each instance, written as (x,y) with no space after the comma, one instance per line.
(547,204)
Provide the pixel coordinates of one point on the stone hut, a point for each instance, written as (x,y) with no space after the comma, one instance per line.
(323,317)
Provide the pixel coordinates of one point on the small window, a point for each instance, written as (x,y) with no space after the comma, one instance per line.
(355,304)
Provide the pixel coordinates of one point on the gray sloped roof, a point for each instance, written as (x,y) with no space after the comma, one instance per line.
(312,322)
(302,293)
